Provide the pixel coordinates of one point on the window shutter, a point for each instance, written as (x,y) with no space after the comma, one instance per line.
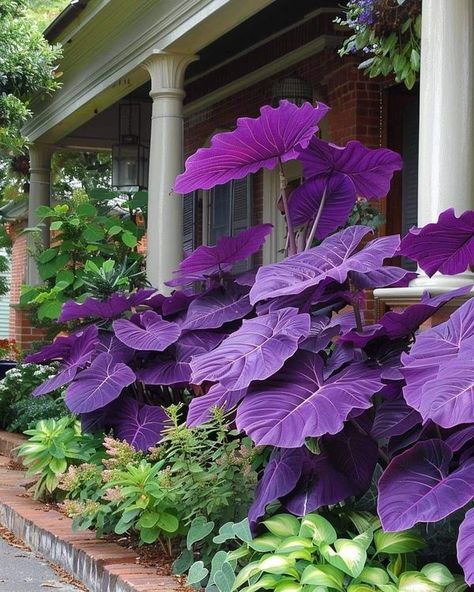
(410,173)
(241,213)
(189,222)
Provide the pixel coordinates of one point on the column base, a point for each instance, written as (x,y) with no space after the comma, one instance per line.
(438,284)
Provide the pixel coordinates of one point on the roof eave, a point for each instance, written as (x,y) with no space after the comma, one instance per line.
(64,19)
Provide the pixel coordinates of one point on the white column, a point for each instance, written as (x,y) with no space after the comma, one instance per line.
(165,208)
(39,195)
(446,151)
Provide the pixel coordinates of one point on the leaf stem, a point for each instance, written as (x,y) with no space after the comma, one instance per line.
(356,305)
(289,227)
(316,220)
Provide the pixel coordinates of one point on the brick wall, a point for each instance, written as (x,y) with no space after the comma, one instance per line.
(21,328)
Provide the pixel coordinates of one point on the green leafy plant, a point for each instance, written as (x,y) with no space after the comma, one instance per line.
(104,280)
(307,554)
(19,411)
(83,230)
(27,66)
(388,32)
(181,494)
(52,447)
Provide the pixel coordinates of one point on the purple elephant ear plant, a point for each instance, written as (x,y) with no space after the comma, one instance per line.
(334,399)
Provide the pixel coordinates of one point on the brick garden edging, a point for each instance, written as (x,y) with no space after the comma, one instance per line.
(102,566)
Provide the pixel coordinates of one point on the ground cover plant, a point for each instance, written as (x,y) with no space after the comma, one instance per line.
(18,411)
(331,402)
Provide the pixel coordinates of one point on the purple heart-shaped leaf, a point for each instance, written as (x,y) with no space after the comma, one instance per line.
(254,352)
(277,134)
(153,333)
(98,385)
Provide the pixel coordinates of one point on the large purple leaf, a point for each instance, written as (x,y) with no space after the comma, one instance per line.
(339,199)
(459,439)
(277,134)
(254,352)
(418,487)
(385,276)
(214,309)
(142,426)
(406,322)
(298,403)
(100,384)
(165,371)
(80,349)
(448,399)
(370,170)
(343,468)
(446,245)
(153,334)
(109,344)
(208,261)
(279,478)
(434,347)
(64,348)
(111,308)
(465,547)
(402,324)
(334,259)
(200,408)
(394,418)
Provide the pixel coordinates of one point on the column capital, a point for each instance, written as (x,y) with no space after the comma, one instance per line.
(167,71)
(40,157)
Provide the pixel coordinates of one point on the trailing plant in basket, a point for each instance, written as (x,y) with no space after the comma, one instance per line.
(335,400)
(388,34)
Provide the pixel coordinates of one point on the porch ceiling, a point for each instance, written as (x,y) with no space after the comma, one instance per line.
(108,40)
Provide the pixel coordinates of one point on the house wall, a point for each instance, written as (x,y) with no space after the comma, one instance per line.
(21,329)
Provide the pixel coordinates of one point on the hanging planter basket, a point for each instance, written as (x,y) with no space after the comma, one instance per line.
(388,34)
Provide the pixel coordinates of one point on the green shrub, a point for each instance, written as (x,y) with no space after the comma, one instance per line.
(85,230)
(52,447)
(19,411)
(196,475)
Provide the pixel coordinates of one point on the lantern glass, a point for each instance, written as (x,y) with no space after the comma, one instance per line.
(130,157)
(293,89)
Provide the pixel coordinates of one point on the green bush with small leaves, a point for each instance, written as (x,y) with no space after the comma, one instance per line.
(19,411)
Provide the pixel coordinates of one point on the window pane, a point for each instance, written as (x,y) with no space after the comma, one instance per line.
(220,212)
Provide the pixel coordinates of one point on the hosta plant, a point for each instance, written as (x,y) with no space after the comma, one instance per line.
(52,447)
(308,554)
(334,399)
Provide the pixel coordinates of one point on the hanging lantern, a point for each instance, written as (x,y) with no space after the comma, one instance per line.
(293,89)
(129,157)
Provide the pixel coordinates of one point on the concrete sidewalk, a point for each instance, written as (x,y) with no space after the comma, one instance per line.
(22,571)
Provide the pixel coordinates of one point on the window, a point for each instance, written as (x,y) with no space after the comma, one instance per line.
(230,212)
